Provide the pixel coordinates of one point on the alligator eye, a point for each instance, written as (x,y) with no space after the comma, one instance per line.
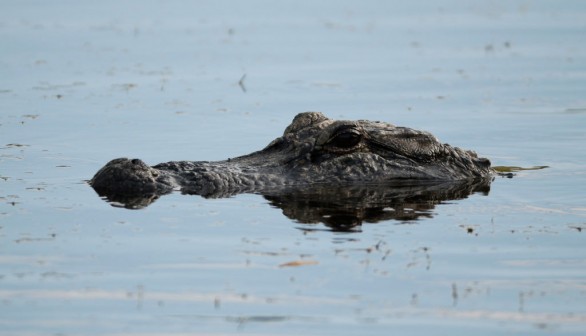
(347,138)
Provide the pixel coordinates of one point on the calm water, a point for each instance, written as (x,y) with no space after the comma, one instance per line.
(81,84)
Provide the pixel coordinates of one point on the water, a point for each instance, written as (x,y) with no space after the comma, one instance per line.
(82,83)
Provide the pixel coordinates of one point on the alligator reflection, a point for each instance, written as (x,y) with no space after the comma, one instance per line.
(346,208)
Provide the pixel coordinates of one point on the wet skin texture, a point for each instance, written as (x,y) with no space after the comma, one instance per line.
(313,151)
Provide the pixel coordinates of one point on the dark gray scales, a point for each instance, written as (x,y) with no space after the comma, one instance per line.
(313,151)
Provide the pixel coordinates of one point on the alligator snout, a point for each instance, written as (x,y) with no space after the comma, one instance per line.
(130,176)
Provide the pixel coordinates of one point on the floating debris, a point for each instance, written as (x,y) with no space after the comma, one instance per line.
(241,83)
(298,263)
(514,169)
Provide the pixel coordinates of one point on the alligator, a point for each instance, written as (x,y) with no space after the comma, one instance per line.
(313,151)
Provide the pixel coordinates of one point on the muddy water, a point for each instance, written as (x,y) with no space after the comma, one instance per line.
(84,83)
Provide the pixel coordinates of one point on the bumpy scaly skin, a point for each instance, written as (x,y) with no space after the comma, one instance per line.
(313,150)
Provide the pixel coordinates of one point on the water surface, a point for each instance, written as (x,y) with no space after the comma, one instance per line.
(84,83)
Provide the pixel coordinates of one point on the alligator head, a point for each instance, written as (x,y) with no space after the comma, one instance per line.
(314,150)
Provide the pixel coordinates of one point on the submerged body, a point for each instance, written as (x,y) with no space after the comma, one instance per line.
(313,150)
